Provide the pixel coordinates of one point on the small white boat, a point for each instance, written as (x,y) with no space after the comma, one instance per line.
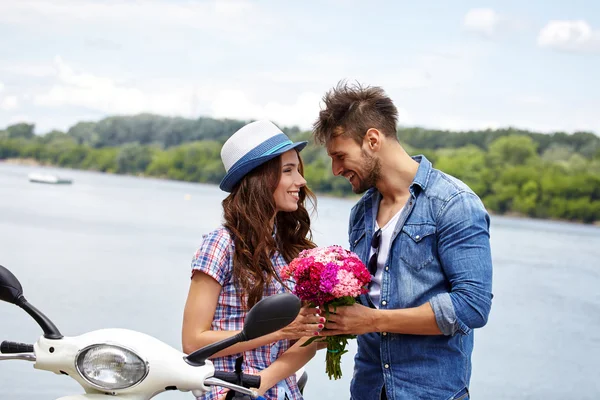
(47,178)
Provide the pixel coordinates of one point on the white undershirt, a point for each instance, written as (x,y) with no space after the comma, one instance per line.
(384,248)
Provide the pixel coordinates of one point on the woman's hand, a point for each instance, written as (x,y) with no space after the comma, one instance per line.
(225,392)
(307,323)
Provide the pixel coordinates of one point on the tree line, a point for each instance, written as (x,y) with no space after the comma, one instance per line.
(513,171)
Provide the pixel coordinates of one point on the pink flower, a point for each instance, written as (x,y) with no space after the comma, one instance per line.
(347,285)
(324,274)
(329,276)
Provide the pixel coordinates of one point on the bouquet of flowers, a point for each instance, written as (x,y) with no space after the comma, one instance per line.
(328,277)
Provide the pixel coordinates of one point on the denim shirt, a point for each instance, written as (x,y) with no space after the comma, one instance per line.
(440,253)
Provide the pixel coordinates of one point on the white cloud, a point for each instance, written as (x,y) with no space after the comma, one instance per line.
(573,125)
(532,99)
(551,119)
(24,11)
(102,94)
(457,123)
(17,119)
(576,36)
(36,70)
(236,104)
(311,68)
(217,15)
(482,20)
(301,111)
(404,117)
(490,23)
(409,78)
(229,7)
(9,103)
(105,96)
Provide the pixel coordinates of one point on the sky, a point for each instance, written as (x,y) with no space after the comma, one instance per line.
(453,65)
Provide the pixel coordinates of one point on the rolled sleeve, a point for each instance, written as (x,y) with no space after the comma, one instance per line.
(465,256)
(212,257)
(445,316)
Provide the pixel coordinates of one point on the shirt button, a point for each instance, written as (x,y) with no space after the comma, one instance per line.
(417,237)
(383,303)
(387,268)
(384,333)
(387,366)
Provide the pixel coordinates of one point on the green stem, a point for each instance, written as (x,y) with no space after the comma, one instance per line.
(336,347)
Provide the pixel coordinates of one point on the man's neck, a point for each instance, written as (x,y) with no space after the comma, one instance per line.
(398,172)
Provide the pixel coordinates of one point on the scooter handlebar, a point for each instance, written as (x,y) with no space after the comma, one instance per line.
(249,381)
(8,347)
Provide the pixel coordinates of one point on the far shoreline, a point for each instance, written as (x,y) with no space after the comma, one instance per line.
(30,162)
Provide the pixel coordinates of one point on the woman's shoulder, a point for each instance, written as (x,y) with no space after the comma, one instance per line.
(220,238)
(220,233)
(213,256)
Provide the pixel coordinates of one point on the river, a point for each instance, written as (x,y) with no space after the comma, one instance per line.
(115,251)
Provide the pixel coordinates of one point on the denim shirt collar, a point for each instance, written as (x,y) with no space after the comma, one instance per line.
(423,172)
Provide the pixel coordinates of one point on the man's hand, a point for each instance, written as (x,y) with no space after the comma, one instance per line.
(351,320)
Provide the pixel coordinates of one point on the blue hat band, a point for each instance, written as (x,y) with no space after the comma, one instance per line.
(267,147)
(273,150)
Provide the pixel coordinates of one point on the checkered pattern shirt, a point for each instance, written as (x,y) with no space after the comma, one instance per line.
(215,258)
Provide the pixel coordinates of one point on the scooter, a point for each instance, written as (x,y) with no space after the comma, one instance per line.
(134,366)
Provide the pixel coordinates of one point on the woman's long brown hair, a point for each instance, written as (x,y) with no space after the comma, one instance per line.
(248,212)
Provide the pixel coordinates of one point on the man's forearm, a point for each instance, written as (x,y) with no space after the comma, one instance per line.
(411,321)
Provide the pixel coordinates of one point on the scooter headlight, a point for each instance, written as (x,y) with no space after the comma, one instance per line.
(110,367)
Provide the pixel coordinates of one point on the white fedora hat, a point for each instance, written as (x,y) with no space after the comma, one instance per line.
(252,145)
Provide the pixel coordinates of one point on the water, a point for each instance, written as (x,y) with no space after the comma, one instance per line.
(114,251)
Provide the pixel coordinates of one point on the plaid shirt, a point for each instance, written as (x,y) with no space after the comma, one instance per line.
(215,258)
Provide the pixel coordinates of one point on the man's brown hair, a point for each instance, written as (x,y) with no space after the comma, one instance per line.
(352,109)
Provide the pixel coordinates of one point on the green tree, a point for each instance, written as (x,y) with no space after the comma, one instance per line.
(467,164)
(511,150)
(104,159)
(513,171)
(527,199)
(133,158)
(85,133)
(21,131)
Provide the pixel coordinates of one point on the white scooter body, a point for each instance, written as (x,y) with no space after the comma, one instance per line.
(166,366)
(161,368)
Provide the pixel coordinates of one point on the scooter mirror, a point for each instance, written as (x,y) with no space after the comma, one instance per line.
(10,287)
(271,314)
(11,291)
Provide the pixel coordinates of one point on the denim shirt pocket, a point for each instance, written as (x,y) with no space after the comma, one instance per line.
(418,245)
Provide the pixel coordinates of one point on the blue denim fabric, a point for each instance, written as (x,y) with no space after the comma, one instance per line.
(440,253)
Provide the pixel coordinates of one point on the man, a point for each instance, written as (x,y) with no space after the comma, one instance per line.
(425,237)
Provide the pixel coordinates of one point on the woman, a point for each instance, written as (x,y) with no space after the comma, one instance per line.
(266,226)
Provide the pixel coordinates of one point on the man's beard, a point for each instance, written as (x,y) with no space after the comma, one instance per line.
(373,166)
